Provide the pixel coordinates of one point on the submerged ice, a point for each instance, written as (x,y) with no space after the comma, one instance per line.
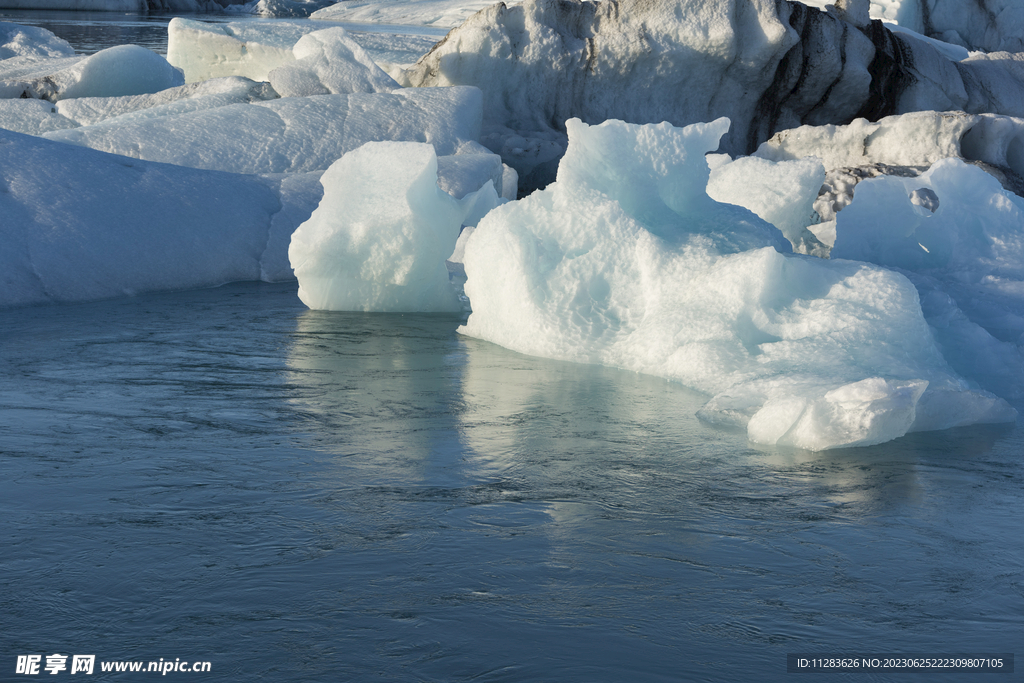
(606,266)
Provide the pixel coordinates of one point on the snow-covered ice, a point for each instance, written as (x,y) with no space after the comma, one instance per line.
(626,261)
(379,238)
(291,135)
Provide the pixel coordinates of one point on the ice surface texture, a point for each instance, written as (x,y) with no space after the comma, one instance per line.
(291,135)
(77,224)
(380,237)
(329,62)
(606,266)
(250,49)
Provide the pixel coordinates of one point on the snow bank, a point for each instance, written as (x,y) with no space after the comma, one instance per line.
(380,237)
(116,71)
(31,42)
(291,135)
(625,261)
(218,92)
(245,48)
(439,13)
(329,62)
(79,224)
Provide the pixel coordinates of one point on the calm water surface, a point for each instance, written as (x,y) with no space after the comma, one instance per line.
(293,495)
(90,32)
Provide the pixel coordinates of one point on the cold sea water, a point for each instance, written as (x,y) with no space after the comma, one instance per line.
(225,476)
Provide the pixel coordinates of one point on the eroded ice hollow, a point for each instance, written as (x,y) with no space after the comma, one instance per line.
(625,261)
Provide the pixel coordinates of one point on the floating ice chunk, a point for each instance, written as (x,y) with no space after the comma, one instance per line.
(379,239)
(329,62)
(79,224)
(630,267)
(32,117)
(782,193)
(116,71)
(31,42)
(291,135)
(210,94)
(244,48)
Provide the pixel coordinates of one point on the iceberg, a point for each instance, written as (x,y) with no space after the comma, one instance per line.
(31,43)
(329,62)
(959,236)
(116,71)
(243,48)
(625,261)
(80,224)
(768,66)
(379,239)
(290,135)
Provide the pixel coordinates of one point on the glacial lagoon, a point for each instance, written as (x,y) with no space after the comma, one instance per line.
(223,475)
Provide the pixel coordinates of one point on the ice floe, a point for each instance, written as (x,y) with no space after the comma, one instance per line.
(379,238)
(606,266)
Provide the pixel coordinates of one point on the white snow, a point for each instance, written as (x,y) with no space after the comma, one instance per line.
(116,71)
(380,237)
(79,224)
(625,261)
(291,135)
(329,62)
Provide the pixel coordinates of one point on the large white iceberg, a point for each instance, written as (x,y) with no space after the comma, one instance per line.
(290,135)
(77,224)
(379,238)
(625,261)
